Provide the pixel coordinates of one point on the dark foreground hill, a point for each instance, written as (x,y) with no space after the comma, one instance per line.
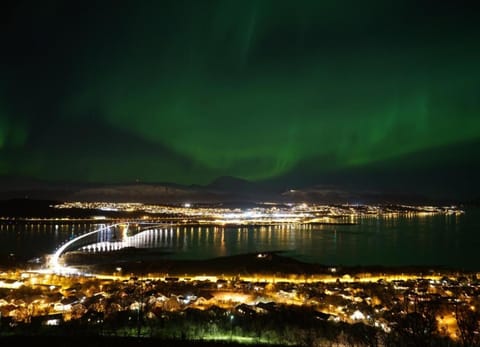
(118,341)
(144,262)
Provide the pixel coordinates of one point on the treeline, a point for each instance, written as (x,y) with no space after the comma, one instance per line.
(288,325)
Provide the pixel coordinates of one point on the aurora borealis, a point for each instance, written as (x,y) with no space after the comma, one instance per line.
(381,94)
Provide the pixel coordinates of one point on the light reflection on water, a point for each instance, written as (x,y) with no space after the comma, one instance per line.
(450,241)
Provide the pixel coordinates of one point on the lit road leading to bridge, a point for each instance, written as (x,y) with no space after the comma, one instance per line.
(54,261)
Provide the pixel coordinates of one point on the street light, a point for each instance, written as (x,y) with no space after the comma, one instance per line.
(231,326)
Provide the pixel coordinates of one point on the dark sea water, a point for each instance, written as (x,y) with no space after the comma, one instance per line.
(440,240)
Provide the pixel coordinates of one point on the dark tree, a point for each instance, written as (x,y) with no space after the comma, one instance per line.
(468,322)
(418,328)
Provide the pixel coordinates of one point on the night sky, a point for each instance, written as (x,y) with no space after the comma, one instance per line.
(369,94)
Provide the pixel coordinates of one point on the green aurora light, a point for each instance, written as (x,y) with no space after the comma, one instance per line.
(186,91)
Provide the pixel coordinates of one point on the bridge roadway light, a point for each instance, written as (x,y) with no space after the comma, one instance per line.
(54,260)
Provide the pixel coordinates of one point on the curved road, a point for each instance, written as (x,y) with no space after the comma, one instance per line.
(55,265)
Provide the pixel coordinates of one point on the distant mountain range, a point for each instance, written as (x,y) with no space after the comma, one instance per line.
(226,190)
(439,175)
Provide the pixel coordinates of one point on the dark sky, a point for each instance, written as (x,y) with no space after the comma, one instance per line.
(373,94)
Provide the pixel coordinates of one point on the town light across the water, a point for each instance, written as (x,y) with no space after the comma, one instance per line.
(265,213)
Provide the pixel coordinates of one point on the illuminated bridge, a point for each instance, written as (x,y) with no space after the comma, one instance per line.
(107,238)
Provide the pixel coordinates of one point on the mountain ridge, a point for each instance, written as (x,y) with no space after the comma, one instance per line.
(224,189)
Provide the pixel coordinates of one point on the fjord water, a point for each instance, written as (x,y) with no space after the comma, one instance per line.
(451,241)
